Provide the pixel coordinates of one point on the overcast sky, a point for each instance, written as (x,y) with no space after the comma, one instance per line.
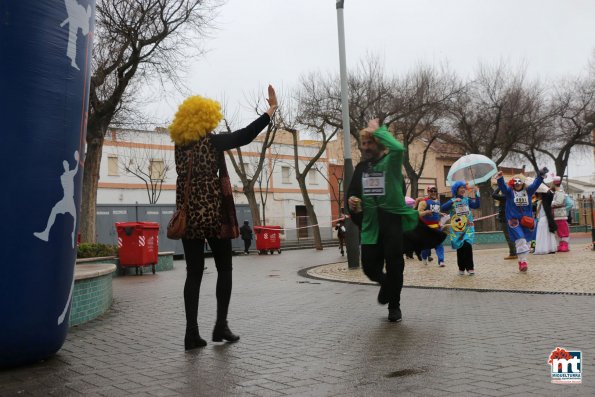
(275,41)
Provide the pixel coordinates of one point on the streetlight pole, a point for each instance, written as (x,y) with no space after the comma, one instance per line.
(352,234)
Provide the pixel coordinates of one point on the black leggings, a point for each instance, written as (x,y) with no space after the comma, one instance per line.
(465,257)
(389,249)
(195,265)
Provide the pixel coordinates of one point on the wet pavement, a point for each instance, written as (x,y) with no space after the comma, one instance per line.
(311,337)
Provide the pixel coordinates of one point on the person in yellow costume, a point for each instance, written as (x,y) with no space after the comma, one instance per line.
(377,205)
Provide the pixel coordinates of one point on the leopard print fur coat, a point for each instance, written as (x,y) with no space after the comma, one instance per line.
(204,216)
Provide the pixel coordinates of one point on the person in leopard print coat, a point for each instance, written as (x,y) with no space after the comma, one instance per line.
(210,210)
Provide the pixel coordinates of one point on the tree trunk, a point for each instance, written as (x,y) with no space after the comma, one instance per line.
(414,185)
(413,180)
(90,183)
(486,208)
(560,167)
(251,197)
(311,214)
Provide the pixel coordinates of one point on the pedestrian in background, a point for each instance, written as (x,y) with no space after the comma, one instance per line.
(560,214)
(545,241)
(429,213)
(211,210)
(502,220)
(340,228)
(246,234)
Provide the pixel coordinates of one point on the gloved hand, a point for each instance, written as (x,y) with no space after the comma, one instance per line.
(543,171)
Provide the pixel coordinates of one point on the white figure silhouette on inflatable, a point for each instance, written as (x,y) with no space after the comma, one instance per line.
(66,205)
(78,18)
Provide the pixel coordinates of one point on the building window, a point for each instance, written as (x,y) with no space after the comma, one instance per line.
(156,169)
(313,177)
(285,174)
(112,166)
(446,169)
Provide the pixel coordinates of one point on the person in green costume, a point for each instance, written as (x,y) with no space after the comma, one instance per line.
(377,205)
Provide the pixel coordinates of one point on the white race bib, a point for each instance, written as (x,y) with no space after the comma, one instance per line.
(461,208)
(521,198)
(373,183)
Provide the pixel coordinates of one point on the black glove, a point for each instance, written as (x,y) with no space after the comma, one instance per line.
(543,171)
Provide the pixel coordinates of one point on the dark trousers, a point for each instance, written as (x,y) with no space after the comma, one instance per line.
(511,246)
(247,244)
(195,265)
(465,257)
(341,243)
(389,251)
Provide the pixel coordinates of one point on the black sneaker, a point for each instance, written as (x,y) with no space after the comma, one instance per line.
(394,314)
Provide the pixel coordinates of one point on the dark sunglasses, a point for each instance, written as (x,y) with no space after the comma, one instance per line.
(433,191)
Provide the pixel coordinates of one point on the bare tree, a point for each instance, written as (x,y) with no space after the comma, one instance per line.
(412,106)
(419,104)
(302,173)
(493,115)
(250,176)
(574,112)
(135,41)
(370,92)
(494,112)
(149,161)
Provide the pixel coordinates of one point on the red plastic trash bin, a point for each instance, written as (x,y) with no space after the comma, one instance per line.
(268,239)
(138,244)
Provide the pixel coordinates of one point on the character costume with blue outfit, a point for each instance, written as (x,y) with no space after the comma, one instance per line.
(519,214)
(462,229)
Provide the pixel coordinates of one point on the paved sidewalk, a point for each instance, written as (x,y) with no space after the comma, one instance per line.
(572,272)
(305,337)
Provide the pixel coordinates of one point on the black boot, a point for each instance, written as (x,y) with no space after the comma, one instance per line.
(394,312)
(222,331)
(192,340)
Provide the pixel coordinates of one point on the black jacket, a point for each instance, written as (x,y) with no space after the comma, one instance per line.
(502,206)
(246,232)
(546,205)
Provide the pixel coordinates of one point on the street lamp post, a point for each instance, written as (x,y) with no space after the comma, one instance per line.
(351,235)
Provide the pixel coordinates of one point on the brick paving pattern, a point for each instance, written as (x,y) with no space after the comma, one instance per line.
(307,337)
(562,272)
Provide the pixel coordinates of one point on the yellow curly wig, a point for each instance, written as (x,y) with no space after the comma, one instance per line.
(195,117)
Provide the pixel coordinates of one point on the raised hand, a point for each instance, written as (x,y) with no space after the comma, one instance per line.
(373,124)
(272,99)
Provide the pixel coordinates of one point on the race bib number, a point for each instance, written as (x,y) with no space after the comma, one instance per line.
(461,209)
(521,198)
(435,208)
(373,183)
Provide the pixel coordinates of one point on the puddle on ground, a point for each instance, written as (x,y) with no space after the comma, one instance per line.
(405,372)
